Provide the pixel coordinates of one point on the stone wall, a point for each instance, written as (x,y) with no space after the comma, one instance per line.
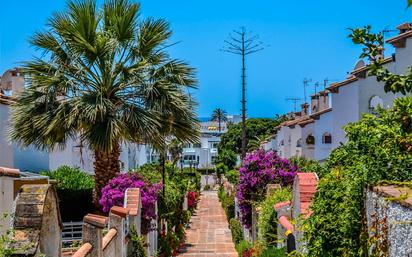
(389,220)
(36,223)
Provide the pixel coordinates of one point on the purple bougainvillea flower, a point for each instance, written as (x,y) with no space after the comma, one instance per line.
(260,168)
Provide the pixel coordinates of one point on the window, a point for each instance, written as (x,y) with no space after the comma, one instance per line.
(299,142)
(197,145)
(327,138)
(310,140)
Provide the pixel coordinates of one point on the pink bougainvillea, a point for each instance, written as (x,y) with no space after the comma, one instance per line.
(260,168)
(113,195)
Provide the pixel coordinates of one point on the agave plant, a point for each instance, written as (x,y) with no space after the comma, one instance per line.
(104,77)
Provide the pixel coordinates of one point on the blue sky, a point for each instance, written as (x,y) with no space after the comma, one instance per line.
(304,38)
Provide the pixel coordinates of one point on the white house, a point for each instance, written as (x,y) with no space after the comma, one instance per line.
(11,154)
(351,98)
(202,154)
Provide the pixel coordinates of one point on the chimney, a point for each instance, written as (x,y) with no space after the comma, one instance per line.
(323,100)
(305,109)
(315,103)
(404,27)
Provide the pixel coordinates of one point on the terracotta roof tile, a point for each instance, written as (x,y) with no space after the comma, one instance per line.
(399,40)
(9,172)
(96,220)
(307,188)
(83,251)
(317,114)
(132,200)
(120,211)
(334,86)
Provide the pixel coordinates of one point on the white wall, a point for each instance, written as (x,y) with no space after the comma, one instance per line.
(345,110)
(323,125)
(81,157)
(308,151)
(6,148)
(403,57)
(6,203)
(295,135)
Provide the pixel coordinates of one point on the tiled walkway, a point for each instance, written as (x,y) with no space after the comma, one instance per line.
(209,233)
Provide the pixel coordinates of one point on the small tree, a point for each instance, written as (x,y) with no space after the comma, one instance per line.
(220,116)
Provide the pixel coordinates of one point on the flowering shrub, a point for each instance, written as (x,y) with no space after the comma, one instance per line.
(259,169)
(192,200)
(113,195)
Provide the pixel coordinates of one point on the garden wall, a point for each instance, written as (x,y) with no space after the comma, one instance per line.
(389,220)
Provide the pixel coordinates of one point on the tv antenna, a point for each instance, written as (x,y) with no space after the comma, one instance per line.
(305,85)
(295,100)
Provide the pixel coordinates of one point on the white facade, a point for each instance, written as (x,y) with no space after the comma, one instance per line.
(322,129)
(357,95)
(202,154)
(6,148)
(308,150)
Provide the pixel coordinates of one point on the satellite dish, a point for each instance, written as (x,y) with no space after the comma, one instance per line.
(359,64)
(12,81)
(375,101)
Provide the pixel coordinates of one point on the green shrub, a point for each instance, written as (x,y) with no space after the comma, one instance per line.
(236,229)
(378,148)
(229,206)
(274,252)
(206,187)
(137,248)
(243,246)
(308,165)
(205,171)
(267,223)
(232,176)
(151,172)
(70,178)
(75,191)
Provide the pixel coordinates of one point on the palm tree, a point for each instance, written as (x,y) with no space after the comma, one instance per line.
(105,77)
(220,116)
(175,148)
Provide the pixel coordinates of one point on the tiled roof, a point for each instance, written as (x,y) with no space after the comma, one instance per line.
(307,188)
(399,40)
(365,68)
(334,86)
(297,120)
(306,122)
(317,114)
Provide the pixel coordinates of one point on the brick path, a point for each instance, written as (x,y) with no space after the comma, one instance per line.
(209,234)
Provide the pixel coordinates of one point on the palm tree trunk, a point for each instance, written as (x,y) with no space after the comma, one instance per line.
(106,167)
(220,125)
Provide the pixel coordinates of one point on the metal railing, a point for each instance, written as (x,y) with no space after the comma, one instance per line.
(72,233)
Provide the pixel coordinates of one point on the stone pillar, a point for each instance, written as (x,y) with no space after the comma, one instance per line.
(119,220)
(92,233)
(132,201)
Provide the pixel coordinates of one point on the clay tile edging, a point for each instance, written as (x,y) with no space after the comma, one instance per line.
(96,220)
(9,172)
(120,211)
(83,251)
